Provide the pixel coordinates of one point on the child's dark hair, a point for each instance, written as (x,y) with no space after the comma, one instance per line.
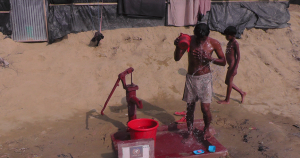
(201,30)
(230,30)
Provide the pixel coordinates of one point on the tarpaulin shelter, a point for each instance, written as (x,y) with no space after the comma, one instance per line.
(72,16)
(64,19)
(5,27)
(266,14)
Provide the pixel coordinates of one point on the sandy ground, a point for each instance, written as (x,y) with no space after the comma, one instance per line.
(48,93)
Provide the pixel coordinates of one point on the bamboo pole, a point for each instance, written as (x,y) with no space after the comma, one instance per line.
(101,18)
(46,20)
(100,3)
(4,12)
(212,1)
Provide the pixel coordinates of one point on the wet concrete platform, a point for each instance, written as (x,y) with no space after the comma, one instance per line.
(172,141)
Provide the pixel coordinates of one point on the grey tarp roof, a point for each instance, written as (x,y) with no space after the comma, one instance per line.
(248,15)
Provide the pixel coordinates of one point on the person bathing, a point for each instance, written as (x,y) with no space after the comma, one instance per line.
(198,85)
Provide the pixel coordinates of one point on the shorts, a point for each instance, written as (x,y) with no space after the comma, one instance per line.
(198,88)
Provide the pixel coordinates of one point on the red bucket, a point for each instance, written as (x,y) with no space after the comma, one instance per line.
(184,41)
(143,128)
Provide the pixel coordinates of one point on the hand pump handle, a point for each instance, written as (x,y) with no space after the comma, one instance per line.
(112,91)
(121,77)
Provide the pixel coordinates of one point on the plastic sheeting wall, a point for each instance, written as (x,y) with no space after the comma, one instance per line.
(294,2)
(248,15)
(66,19)
(4,5)
(5,26)
(63,20)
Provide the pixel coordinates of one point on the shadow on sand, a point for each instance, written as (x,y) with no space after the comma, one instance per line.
(109,155)
(182,71)
(148,109)
(95,114)
(217,97)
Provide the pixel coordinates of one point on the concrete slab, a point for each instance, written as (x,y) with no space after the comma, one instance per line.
(171,142)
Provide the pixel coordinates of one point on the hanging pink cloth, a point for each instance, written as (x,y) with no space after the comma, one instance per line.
(183,12)
(204,6)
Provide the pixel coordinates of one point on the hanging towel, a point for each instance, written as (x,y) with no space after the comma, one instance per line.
(183,12)
(142,8)
(204,6)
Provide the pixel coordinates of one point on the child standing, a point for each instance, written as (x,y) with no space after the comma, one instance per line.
(233,58)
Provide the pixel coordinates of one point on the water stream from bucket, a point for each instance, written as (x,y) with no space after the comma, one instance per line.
(216,71)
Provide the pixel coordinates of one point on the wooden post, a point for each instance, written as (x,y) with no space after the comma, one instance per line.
(101,18)
(46,20)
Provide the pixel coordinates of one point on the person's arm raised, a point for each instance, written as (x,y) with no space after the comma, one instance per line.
(178,53)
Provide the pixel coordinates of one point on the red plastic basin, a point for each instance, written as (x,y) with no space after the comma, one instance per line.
(143,128)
